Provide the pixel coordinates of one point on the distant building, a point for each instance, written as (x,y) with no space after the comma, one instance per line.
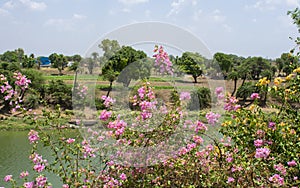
(45,62)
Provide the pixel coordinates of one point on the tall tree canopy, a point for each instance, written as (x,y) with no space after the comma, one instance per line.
(121,60)
(192,64)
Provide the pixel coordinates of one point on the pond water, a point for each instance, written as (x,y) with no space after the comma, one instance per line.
(14,152)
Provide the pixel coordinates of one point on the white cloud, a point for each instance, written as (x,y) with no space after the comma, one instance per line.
(3,12)
(79,16)
(65,24)
(264,5)
(197,14)
(176,6)
(292,3)
(34,5)
(217,16)
(126,10)
(130,2)
(9,5)
(227,28)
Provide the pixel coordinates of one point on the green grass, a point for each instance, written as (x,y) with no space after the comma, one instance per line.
(72,77)
(14,123)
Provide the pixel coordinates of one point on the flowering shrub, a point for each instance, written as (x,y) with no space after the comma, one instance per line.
(159,146)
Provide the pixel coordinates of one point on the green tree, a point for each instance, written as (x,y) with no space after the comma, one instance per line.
(224,61)
(109,47)
(58,61)
(192,64)
(120,60)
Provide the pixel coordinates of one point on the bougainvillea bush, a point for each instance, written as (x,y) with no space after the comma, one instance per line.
(257,149)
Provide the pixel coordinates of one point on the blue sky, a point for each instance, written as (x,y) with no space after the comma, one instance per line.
(246,28)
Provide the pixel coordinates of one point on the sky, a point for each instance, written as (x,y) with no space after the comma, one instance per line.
(241,27)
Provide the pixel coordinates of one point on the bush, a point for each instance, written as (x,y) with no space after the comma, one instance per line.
(36,77)
(200,99)
(246,90)
(57,92)
(31,101)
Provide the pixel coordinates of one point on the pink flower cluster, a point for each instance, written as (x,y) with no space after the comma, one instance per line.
(219,93)
(200,126)
(41,181)
(212,118)
(105,115)
(146,101)
(258,143)
(21,80)
(108,101)
(8,178)
(254,96)
(82,91)
(276,179)
(33,136)
(280,168)
(262,153)
(185,96)
(24,174)
(70,140)
(39,162)
(162,61)
(7,88)
(118,125)
(88,151)
(292,163)
(231,104)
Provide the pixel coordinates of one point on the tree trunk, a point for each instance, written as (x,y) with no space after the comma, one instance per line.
(195,79)
(234,87)
(109,89)
(243,82)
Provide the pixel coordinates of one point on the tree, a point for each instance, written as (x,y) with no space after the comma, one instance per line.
(233,75)
(9,56)
(121,59)
(109,47)
(224,61)
(192,64)
(58,61)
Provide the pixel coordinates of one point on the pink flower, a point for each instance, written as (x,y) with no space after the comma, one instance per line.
(272,125)
(65,186)
(219,90)
(292,163)
(8,178)
(212,118)
(229,159)
(29,184)
(262,153)
(230,179)
(105,115)
(123,176)
(162,61)
(254,96)
(258,143)
(24,174)
(185,96)
(277,179)
(41,181)
(33,136)
(39,167)
(70,140)
(200,126)
(279,167)
(107,101)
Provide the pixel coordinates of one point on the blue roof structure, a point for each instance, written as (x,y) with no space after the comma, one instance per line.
(45,61)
